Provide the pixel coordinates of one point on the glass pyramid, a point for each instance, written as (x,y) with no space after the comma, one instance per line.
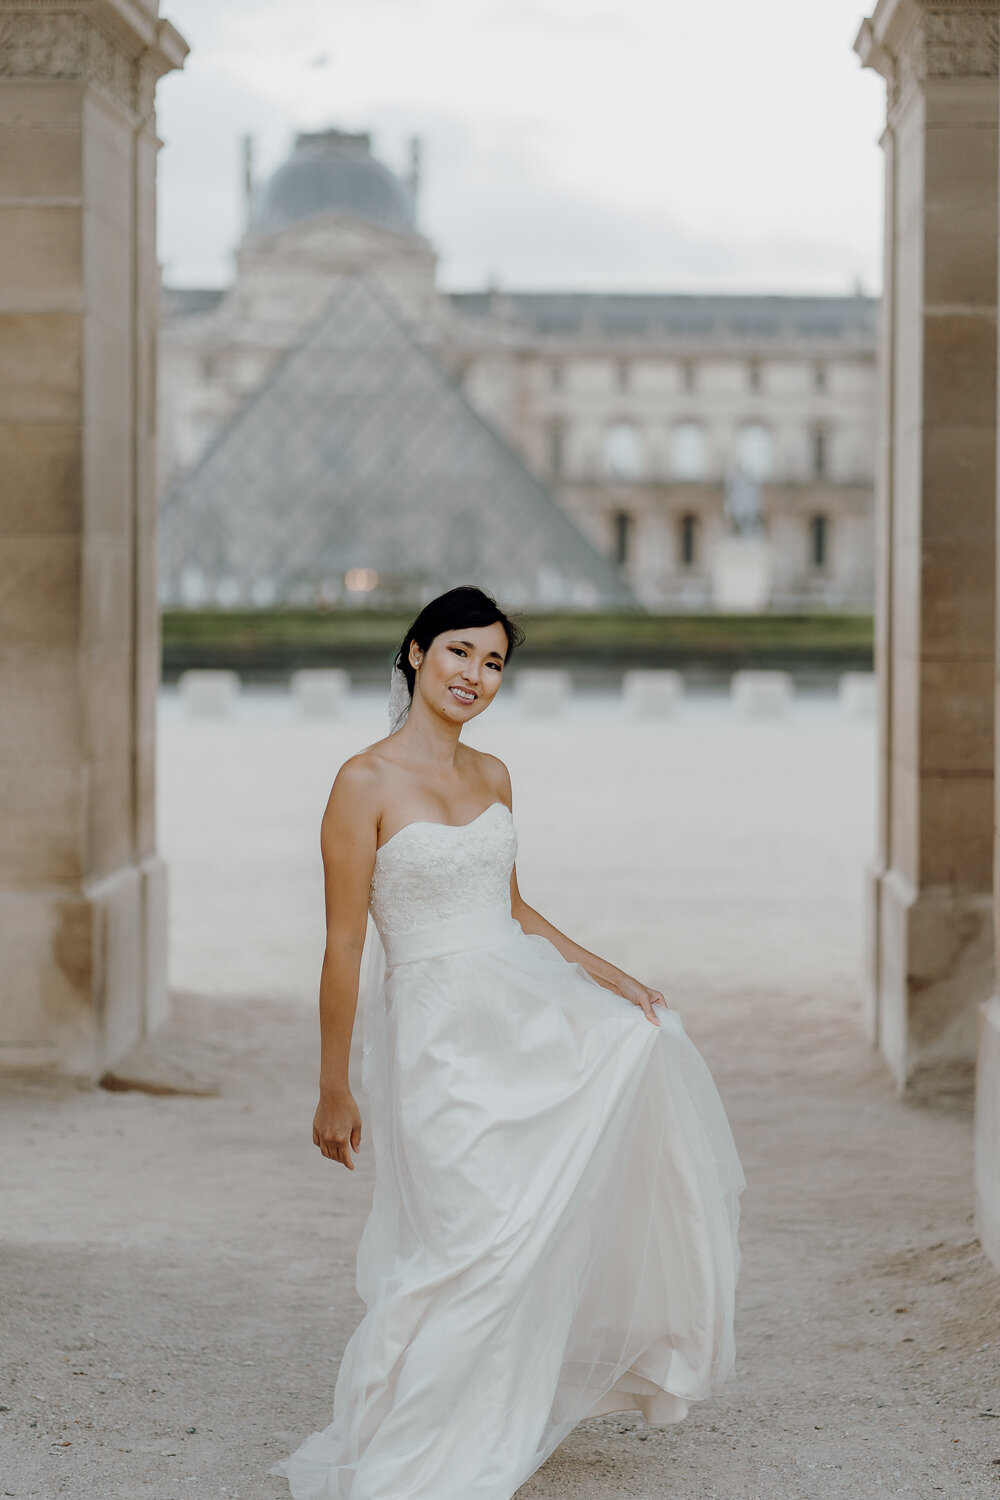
(360,459)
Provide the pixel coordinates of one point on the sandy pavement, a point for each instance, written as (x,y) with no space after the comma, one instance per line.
(176,1273)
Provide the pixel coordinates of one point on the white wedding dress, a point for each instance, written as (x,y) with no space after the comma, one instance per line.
(553,1234)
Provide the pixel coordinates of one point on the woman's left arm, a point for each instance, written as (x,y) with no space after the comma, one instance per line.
(530,920)
(598,968)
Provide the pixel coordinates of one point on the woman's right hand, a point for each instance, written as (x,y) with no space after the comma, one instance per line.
(337,1125)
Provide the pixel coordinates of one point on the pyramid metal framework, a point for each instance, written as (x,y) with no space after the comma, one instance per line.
(359,452)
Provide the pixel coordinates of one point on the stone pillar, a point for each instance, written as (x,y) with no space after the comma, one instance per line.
(82,892)
(930,919)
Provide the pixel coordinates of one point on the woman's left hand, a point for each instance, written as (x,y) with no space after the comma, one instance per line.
(643,996)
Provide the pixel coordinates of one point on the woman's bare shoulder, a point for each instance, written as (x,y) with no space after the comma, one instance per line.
(493,770)
(361,776)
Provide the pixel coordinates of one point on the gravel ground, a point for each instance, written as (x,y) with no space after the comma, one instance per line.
(177,1273)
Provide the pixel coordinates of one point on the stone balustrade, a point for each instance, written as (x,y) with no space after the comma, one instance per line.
(209,694)
(760,695)
(321,693)
(856,691)
(649,693)
(542,693)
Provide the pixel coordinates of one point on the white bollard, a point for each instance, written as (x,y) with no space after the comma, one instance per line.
(857,695)
(760,695)
(540,692)
(209,695)
(320,692)
(652,694)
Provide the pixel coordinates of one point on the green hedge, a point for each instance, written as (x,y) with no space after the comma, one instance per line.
(272,643)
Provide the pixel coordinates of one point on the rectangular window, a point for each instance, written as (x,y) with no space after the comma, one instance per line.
(622,536)
(689,528)
(819,453)
(819,541)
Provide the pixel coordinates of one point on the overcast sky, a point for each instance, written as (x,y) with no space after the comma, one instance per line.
(575,144)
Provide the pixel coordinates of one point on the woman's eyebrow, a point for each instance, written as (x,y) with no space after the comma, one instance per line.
(472,648)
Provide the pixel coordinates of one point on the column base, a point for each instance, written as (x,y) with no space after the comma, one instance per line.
(987,1130)
(932,966)
(84,973)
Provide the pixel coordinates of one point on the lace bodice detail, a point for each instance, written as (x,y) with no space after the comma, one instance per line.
(429,871)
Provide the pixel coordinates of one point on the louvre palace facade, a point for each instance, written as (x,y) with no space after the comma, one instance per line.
(334,423)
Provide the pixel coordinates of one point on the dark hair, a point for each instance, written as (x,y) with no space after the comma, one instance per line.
(464,605)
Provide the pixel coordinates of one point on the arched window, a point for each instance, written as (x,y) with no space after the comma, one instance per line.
(688,540)
(819,452)
(755,450)
(819,541)
(623,451)
(689,451)
(621,525)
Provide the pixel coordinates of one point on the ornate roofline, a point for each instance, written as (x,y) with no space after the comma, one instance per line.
(910,41)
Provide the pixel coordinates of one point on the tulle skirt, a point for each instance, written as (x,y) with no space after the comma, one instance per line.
(554,1230)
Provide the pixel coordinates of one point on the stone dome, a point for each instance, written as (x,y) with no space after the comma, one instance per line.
(331,171)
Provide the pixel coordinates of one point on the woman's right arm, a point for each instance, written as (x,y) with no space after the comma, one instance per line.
(347,838)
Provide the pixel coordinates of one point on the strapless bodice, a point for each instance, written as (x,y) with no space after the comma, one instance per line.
(431,871)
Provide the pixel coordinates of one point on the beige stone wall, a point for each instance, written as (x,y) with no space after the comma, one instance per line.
(82,893)
(656,566)
(516,391)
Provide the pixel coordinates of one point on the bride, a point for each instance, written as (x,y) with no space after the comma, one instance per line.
(554,1230)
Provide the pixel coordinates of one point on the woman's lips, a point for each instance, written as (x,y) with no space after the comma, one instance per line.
(463,695)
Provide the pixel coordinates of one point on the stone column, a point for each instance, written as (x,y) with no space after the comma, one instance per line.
(82,892)
(987,1116)
(930,919)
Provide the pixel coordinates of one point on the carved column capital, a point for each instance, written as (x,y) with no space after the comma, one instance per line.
(911,41)
(121,47)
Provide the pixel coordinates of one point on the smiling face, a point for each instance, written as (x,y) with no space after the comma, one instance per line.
(461,669)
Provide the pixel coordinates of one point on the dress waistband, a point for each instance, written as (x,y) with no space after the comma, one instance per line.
(472,929)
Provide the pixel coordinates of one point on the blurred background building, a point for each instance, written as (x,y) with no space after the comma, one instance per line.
(334,425)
